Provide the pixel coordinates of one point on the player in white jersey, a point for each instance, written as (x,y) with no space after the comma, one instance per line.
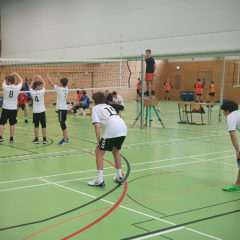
(231,112)
(61,106)
(39,110)
(9,108)
(115,131)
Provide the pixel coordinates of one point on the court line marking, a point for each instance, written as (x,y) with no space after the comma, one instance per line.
(133,164)
(135,211)
(36,154)
(132,171)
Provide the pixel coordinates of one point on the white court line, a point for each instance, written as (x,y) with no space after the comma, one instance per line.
(132,164)
(132,210)
(137,170)
(160,233)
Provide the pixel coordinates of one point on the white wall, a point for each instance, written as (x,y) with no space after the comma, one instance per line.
(80,29)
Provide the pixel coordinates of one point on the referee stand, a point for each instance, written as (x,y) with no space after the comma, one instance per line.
(149,105)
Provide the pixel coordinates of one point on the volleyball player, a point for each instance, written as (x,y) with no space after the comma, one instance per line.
(167,88)
(211,92)
(61,106)
(115,131)
(9,109)
(22,103)
(39,110)
(231,112)
(199,90)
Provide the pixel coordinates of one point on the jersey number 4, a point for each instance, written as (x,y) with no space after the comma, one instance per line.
(36,99)
(111,111)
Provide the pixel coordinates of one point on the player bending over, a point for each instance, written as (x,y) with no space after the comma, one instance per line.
(231,112)
(39,110)
(115,131)
(61,106)
(9,109)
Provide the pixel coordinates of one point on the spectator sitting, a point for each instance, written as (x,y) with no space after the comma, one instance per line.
(75,105)
(117,104)
(109,97)
(84,102)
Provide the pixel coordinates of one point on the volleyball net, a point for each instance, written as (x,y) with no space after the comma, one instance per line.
(88,75)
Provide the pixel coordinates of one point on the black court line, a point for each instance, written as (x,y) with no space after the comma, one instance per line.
(43,157)
(19,155)
(205,207)
(76,208)
(142,205)
(18,148)
(183,224)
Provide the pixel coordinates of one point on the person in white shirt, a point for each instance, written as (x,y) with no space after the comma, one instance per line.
(10,101)
(230,110)
(115,131)
(117,104)
(61,106)
(39,110)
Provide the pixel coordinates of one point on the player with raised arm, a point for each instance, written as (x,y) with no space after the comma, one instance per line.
(10,101)
(115,131)
(61,106)
(231,112)
(39,110)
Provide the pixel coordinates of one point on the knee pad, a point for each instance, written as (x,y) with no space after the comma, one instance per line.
(63,125)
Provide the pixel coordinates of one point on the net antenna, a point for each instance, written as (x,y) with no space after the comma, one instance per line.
(236,75)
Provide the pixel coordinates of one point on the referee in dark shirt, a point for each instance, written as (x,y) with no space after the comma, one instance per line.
(150,69)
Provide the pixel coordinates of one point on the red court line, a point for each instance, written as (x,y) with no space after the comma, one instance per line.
(102,217)
(67,220)
(96,221)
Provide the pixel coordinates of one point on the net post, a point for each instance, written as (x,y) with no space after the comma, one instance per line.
(142,93)
(222,88)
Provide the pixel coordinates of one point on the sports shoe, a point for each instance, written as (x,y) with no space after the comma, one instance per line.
(45,141)
(232,188)
(118,179)
(35,141)
(63,142)
(1,139)
(11,140)
(26,121)
(96,183)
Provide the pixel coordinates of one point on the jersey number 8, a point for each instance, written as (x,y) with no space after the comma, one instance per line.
(11,94)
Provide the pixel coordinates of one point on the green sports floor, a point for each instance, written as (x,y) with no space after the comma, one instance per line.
(173,187)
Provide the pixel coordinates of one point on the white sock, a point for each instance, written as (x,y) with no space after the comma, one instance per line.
(100,175)
(119,172)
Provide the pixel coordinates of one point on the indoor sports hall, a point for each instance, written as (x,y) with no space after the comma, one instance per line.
(168,70)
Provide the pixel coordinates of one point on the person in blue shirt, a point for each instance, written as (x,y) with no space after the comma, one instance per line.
(84,102)
(26,87)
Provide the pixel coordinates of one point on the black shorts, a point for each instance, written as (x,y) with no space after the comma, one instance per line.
(10,115)
(138,93)
(212,94)
(39,118)
(167,91)
(108,143)
(199,95)
(62,116)
(22,106)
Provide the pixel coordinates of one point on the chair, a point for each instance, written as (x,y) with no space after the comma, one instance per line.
(183,113)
